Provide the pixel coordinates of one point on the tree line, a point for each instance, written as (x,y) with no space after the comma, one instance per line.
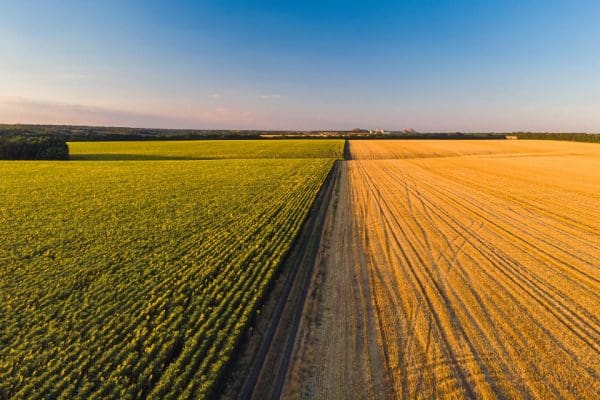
(33,148)
(575,137)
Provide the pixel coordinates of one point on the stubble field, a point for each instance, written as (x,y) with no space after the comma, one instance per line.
(457,270)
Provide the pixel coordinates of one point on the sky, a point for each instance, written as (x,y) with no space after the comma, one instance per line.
(450,65)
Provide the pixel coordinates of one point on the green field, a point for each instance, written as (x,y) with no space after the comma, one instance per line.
(129,279)
(206,149)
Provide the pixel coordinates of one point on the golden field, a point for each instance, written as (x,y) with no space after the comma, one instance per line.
(457,269)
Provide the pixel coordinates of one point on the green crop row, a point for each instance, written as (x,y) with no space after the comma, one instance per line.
(134,279)
(207,149)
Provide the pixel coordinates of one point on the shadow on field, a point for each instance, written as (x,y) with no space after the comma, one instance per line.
(134,157)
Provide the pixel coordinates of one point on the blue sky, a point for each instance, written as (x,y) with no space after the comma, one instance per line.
(430,65)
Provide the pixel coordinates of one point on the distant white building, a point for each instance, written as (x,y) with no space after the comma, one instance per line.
(378,131)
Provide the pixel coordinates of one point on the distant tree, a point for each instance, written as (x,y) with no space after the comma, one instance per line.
(576,137)
(33,148)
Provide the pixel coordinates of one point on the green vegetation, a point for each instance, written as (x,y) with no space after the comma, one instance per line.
(136,279)
(575,137)
(91,133)
(108,133)
(87,133)
(33,148)
(207,149)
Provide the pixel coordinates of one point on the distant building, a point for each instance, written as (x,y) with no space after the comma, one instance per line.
(511,137)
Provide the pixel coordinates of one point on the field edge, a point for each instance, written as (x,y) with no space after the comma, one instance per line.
(270,338)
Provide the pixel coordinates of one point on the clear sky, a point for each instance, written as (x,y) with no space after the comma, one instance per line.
(430,65)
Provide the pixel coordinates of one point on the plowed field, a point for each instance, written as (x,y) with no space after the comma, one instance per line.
(457,270)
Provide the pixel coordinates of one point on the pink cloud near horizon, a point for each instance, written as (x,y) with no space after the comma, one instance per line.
(15,110)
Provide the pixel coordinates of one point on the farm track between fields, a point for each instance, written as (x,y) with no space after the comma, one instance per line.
(279,326)
(445,275)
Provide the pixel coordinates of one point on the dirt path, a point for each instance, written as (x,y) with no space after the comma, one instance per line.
(337,354)
(472,276)
(265,358)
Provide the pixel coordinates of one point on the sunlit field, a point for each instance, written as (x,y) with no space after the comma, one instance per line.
(457,269)
(134,279)
(205,149)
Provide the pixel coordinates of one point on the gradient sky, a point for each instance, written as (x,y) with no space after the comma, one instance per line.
(430,65)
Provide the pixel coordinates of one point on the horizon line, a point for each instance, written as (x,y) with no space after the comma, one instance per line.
(25,124)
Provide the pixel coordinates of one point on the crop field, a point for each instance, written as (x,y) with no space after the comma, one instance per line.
(408,149)
(206,149)
(135,279)
(457,270)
